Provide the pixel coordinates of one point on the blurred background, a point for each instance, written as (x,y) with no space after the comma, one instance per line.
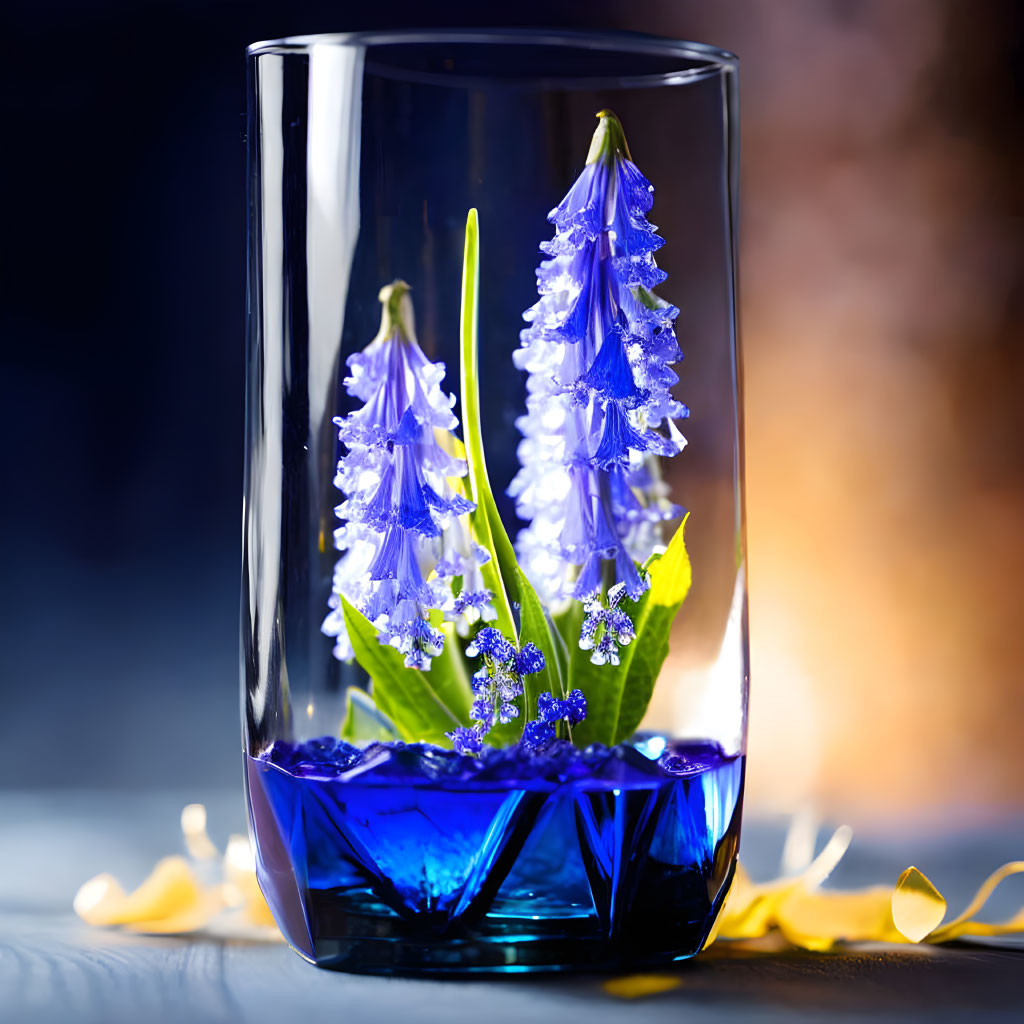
(882,318)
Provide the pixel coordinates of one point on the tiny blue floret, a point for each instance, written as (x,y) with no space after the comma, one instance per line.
(466,741)
(549,709)
(576,707)
(530,660)
(489,641)
(537,735)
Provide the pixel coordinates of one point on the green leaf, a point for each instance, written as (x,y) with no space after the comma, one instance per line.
(363,721)
(602,685)
(561,651)
(404,694)
(647,654)
(617,696)
(568,623)
(535,628)
(484,521)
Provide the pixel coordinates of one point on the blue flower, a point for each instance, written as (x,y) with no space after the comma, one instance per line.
(576,707)
(530,660)
(573,709)
(537,735)
(466,741)
(498,685)
(541,731)
(482,711)
(401,516)
(598,351)
(606,628)
(507,711)
(490,641)
(549,709)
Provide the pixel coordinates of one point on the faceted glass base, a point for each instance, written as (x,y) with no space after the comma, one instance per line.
(412,860)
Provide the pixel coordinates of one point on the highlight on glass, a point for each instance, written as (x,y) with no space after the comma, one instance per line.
(494,652)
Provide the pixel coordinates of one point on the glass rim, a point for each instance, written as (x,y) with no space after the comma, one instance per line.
(709,58)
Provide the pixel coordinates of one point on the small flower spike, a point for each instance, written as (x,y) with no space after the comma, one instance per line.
(606,629)
(497,686)
(598,351)
(538,734)
(399,504)
(466,741)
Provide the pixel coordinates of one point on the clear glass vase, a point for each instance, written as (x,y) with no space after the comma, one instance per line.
(494,697)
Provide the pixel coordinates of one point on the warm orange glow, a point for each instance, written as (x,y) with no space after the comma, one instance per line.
(883,426)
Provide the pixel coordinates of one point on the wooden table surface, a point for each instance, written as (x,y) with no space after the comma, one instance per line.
(54,968)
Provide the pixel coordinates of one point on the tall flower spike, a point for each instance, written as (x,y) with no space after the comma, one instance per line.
(399,479)
(600,412)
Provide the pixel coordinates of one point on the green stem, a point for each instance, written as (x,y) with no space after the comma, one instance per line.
(484,519)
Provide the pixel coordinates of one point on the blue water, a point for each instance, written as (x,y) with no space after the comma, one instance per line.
(407,858)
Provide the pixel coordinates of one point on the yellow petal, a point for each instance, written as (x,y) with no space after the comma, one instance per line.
(187,919)
(754,914)
(1011,927)
(751,910)
(963,925)
(636,986)
(99,901)
(816,919)
(171,893)
(796,910)
(917,906)
(825,863)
